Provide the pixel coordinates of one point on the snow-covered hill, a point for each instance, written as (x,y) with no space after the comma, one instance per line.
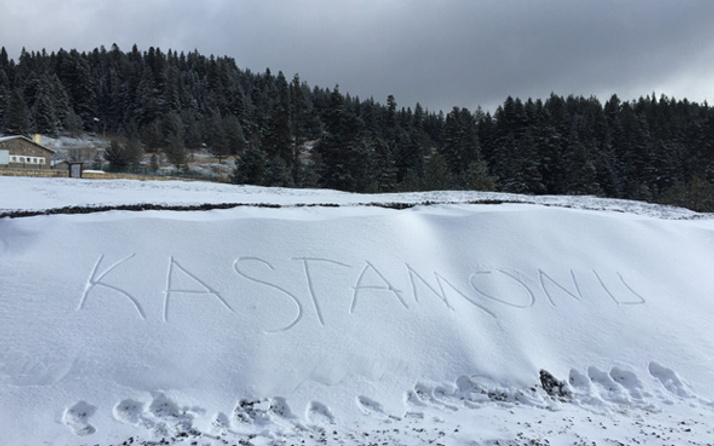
(353,324)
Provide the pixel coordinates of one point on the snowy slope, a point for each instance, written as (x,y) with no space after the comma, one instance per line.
(42,193)
(352,324)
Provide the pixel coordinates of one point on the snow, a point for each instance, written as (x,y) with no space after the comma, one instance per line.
(44,193)
(351,324)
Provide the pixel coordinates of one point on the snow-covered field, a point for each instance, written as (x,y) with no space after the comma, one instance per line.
(351,324)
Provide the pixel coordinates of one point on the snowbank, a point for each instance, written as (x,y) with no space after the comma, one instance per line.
(270,325)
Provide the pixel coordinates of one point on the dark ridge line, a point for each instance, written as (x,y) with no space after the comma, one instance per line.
(81,210)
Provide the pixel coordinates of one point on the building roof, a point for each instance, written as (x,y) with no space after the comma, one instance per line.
(8,138)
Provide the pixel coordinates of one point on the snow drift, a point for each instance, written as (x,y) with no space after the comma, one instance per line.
(165,324)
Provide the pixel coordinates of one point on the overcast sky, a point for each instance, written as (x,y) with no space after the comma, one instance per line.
(441,53)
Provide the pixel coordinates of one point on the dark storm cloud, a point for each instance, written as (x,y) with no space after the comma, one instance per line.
(440,53)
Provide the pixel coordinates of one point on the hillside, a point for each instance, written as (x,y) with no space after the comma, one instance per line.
(171,104)
(325,319)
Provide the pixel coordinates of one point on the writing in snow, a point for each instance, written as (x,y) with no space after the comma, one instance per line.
(369,283)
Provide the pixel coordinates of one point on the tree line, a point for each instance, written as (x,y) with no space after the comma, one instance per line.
(286,133)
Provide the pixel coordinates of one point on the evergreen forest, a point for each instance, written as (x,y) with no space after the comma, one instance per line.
(283,132)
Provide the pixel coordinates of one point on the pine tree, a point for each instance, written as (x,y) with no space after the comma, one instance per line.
(250,167)
(4,91)
(437,175)
(176,153)
(581,176)
(43,112)
(134,152)
(346,158)
(235,137)
(116,156)
(215,136)
(74,71)
(277,173)
(169,125)
(122,157)
(276,135)
(696,194)
(60,100)
(386,174)
(299,112)
(412,182)
(153,137)
(528,178)
(147,108)
(18,120)
(460,140)
(479,178)
(192,130)
(4,59)
(277,141)
(73,123)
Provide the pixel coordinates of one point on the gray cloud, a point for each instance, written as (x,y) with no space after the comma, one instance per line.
(440,53)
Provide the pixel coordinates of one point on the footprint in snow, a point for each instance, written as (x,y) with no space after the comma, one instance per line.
(253,412)
(424,395)
(583,388)
(163,407)
(279,407)
(669,380)
(372,408)
(630,382)
(135,413)
(162,415)
(319,414)
(369,406)
(77,418)
(579,381)
(128,411)
(220,424)
(612,391)
(413,399)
